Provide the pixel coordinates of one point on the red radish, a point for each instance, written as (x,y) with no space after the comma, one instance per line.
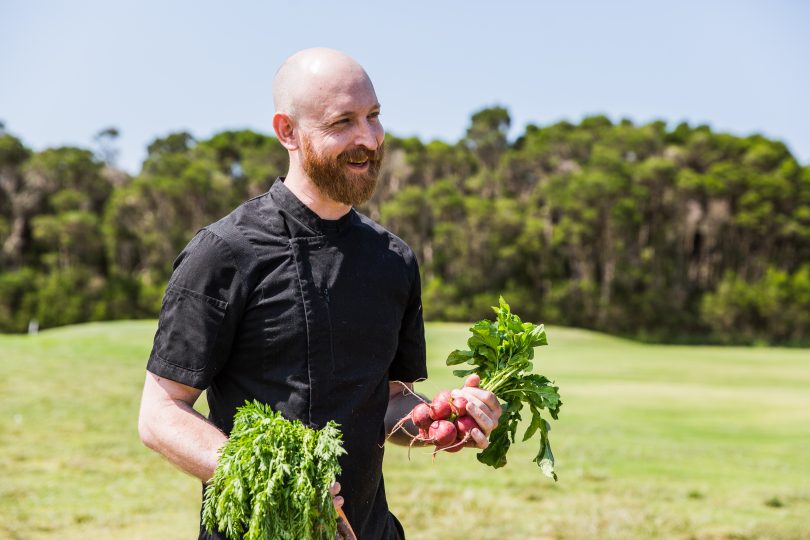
(444,395)
(458,444)
(464,425)
(441,410)
(443,422)
(459,406)
(421,415)
(442,433)
(441,406)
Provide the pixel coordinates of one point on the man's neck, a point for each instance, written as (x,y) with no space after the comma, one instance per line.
(308,193)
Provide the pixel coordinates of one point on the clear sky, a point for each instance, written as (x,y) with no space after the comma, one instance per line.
(71,68)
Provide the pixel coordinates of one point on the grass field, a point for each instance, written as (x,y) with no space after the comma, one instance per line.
(652,442)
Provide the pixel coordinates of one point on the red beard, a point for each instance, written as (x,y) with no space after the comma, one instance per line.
(333,177)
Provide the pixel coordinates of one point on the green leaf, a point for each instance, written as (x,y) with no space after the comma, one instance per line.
(484,333)
(534,425)
(488,353)
(538,336)
(546,463)
(494,455)
(545,458)
(514,325)
(520,360)
(459,357)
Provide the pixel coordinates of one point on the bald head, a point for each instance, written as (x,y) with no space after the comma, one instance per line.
(327,117)
(309,77)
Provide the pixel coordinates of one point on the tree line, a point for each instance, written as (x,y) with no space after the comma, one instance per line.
(672,234)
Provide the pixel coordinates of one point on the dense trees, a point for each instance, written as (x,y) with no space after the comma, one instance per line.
(637,230)
(666,234)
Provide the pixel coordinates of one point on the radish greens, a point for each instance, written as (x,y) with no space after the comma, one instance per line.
(501,353)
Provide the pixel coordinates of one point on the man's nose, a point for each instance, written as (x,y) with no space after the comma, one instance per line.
(368,135)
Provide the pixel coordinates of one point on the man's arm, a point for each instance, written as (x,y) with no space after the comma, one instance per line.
(169,425)
(401,399)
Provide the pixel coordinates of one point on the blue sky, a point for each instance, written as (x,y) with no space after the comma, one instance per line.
(69,69)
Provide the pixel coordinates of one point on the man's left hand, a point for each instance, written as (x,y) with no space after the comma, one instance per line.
(483,407)
(337,500)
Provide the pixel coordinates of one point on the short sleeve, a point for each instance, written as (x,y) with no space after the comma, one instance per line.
(200,313)
(410,362)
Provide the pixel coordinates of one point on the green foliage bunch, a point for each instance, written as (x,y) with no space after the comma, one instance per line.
(273,477)
(660,233)
(776,306)
(501,353)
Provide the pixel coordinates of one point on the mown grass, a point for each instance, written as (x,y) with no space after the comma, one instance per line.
(652,442)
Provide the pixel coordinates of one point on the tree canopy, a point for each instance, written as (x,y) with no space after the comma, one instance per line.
(668,234)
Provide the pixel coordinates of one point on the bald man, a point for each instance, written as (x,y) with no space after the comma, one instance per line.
(301,302)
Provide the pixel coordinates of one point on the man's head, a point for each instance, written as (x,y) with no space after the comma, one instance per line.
(327,116)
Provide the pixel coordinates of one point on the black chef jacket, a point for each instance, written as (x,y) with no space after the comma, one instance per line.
(311,316)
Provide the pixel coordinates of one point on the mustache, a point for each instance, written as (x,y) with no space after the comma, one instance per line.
(361,152)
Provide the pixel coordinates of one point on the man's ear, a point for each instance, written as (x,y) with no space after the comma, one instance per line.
(285,131)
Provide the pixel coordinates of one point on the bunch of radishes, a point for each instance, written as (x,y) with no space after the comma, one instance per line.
(444,421)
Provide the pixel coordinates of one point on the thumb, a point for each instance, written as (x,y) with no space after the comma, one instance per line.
(473,380)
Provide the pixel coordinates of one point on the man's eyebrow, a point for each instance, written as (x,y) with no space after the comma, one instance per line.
(376,106)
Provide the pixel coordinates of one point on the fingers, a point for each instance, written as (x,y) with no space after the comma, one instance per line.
(485,398)
(481,441)
(483,415)
(482,406)
(337,500)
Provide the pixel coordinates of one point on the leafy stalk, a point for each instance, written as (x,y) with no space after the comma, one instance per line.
(272,479)
(501,353)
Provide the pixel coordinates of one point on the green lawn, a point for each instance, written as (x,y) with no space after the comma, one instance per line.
(652,442)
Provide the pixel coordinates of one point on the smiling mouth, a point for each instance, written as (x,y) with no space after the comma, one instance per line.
(358,164)
(361,160)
